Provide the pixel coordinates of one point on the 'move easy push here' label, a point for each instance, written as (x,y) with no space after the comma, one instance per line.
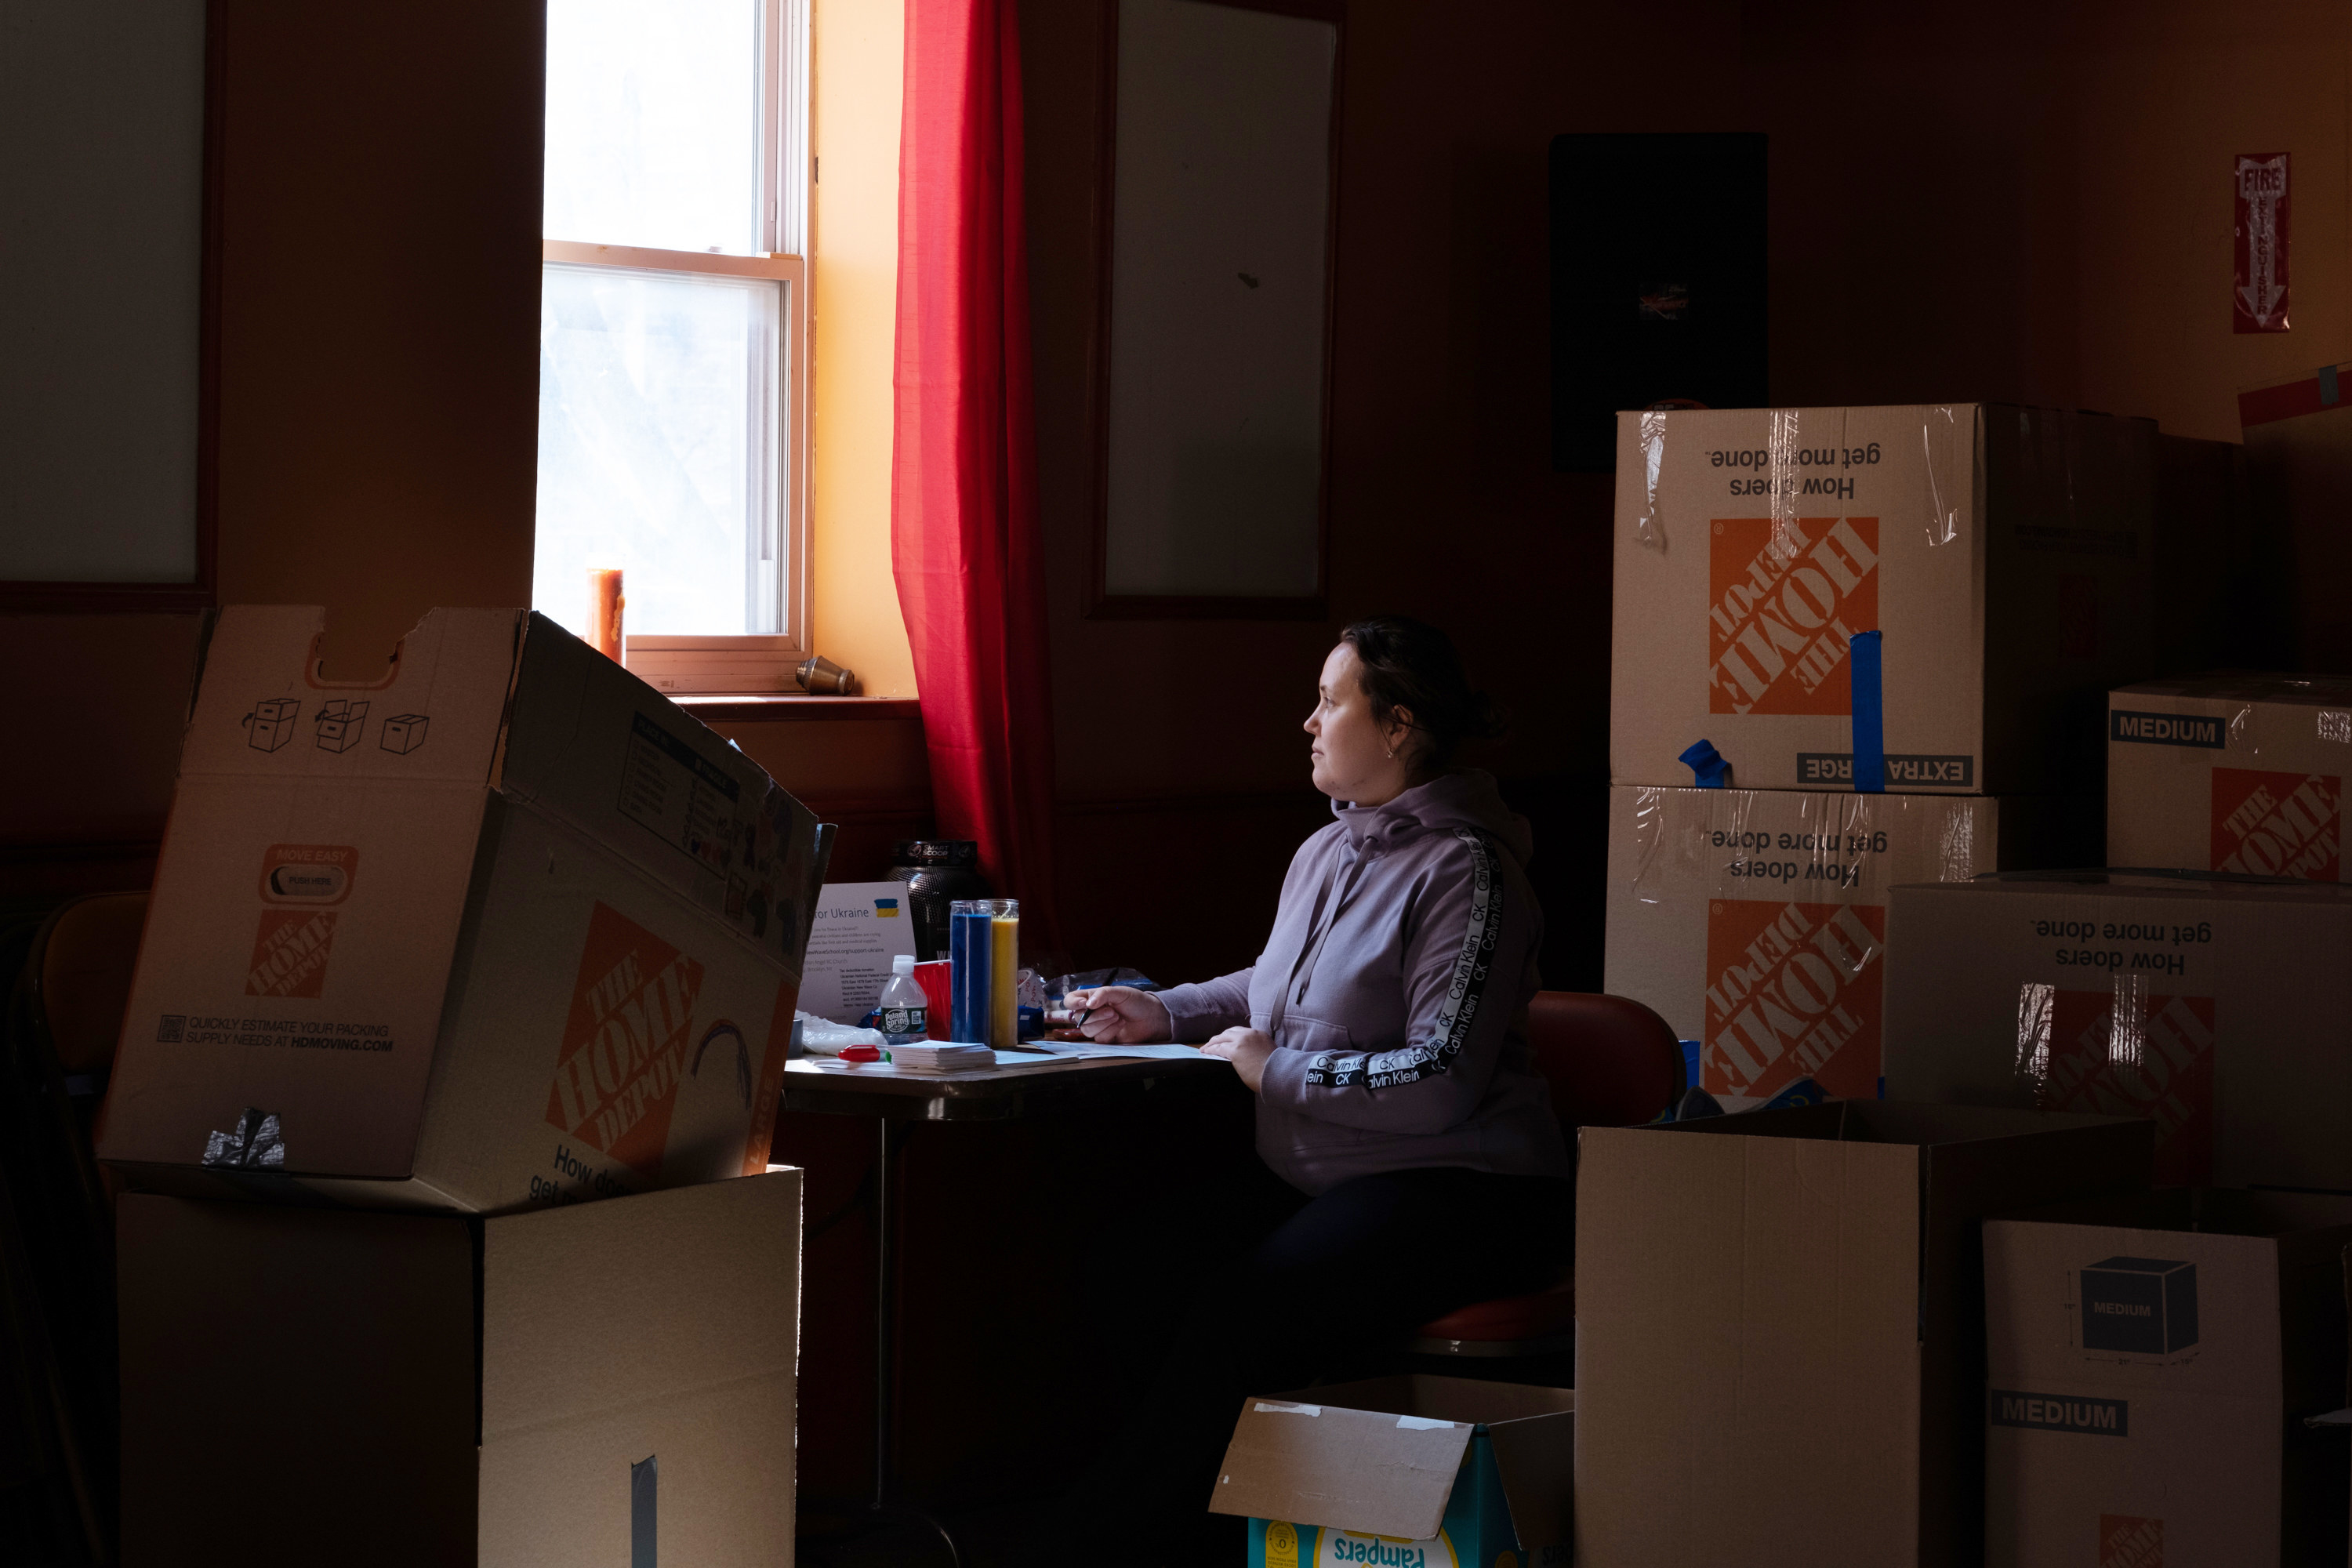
(1785,598)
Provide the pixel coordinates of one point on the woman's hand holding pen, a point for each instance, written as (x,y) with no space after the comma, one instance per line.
(1118,1016)
(1247,1051)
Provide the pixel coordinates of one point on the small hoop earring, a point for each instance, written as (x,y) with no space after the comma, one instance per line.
(1392,753)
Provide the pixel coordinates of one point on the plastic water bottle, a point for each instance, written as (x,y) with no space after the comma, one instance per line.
(906,1009)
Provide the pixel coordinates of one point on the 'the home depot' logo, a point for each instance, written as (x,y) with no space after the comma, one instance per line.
(2152,1056)
(1793,991)
(289,953)
(625,1043)
(2277,824)
(2128,1541)
(1786,600)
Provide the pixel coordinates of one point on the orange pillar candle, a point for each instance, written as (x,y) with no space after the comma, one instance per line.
(605,607)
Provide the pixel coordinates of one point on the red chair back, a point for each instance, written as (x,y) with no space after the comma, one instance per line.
(1611,1061)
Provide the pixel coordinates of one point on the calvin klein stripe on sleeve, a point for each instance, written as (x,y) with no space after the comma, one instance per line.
(1467,988)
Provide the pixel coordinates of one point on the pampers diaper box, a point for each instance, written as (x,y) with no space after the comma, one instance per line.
(501,929)
(1405,1472)
(1754,922)
(2230,771)
(2003,554)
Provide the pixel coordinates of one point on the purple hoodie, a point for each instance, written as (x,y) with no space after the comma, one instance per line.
(1395,985)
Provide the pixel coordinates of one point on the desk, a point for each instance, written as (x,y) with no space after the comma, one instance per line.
(897,1100)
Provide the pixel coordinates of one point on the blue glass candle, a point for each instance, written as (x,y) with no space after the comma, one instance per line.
(970,948)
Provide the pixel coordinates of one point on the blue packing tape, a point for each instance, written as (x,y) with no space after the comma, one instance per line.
(1704,761)
(1869,716)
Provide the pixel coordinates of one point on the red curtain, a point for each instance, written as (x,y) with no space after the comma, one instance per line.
(963,516)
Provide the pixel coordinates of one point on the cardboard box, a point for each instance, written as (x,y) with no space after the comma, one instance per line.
(1753,921)
(2004,552)
(2150,1363)
(2231,773)
(599,1384)
(1414,1471)
(1781,1329)
(548,952)
(2216,1008)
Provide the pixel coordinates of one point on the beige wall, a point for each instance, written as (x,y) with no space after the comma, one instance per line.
(378,409)
(857,50)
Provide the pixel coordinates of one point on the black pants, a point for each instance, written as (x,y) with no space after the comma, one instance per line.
(1335,1284)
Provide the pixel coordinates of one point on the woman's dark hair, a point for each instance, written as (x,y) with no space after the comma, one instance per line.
(1411,665)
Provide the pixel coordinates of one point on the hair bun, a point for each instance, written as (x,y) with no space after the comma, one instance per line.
(1410,666)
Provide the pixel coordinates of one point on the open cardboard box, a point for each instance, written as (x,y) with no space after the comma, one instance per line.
(2150,1365)
(1412,1471)
(512,929)
(1779,1319)
(607,1383)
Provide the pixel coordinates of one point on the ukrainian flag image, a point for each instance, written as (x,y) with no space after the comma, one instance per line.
(886,908)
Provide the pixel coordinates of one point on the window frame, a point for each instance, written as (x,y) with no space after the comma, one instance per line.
(758,662)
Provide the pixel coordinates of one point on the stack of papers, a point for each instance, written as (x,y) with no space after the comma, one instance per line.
(937,1056)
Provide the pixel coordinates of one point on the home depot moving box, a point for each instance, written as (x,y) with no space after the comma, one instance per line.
(2150,1363)
(611,1382)
(1779,1319)
(2231,773)
(2004,553)
(540,941)
(1411,1472)
(1754,921)
(2215,1008)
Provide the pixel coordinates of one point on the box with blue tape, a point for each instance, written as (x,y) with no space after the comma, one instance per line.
(2004,557)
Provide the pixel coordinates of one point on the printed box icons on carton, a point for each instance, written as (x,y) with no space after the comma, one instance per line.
(2142,1306)
(340,722)
(271,723)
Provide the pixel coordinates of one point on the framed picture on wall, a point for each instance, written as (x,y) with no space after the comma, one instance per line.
(108,138)
(1213,347)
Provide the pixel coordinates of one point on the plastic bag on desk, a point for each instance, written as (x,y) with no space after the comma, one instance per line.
(824,1037)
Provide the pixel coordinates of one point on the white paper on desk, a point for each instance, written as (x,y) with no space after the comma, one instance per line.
(1072,1051)
(859,929)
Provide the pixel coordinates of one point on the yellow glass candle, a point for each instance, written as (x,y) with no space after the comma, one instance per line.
(1004,947)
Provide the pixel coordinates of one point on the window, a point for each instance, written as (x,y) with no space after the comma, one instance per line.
(673,301)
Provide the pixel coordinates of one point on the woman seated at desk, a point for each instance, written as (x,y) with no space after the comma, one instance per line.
(1383,1032)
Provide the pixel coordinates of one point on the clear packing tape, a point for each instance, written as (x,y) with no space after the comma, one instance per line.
(1676,831)
(1800,444)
